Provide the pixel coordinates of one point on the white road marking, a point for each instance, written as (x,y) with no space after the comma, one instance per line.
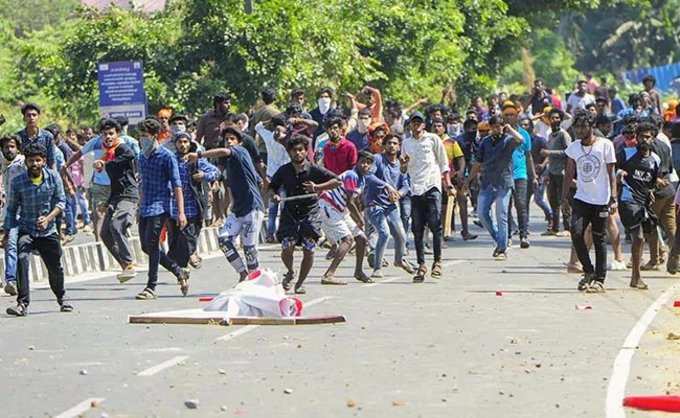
(248,328)
(80,408)
(161,350)
(164,365)
(619,377)
(391,279)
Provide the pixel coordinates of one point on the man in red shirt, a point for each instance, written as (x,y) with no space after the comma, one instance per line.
(339,154)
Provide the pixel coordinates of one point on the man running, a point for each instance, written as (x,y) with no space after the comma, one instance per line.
(424,158)
(120,164)
(591,160)
(182,241)
(12,166)
(341,218)
(245,219)
(37,195)
(159,179)
(300,223)
(384,189)
(637,170)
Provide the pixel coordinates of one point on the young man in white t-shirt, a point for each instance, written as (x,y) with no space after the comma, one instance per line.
(592,160)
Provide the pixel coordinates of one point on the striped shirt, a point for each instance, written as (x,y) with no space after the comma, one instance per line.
(339,197)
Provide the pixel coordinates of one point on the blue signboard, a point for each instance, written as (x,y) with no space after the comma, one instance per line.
(121,90)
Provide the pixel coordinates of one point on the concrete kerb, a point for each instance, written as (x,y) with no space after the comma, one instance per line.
(93,257)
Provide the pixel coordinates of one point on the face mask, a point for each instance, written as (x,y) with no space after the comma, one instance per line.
(454,129)
(324,104)
(148,145)
(177,129)
(362,126)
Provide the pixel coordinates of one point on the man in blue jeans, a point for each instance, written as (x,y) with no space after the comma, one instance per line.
(383,213)
(522,173)
(13,165)
(494,159)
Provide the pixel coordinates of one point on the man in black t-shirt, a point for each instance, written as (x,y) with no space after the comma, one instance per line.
(637,171)
(299,223)
(120,164)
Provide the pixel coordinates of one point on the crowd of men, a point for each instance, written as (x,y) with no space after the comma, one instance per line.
(351,176)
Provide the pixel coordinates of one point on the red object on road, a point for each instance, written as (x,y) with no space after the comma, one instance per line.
(676,304)
(583,307)
(206,299)
(653,403)
(499,293)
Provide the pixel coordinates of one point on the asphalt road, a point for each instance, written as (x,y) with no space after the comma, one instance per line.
(452,347)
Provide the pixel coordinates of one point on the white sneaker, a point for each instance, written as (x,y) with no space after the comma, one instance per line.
(616,266)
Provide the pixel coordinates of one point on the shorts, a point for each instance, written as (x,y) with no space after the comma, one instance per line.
(338,225)
(635,216)
(247,227)
(298,231)
(99,196)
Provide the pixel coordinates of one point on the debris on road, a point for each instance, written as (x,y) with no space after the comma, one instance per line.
(398,403)
(673,337)
(653,403)
(191,403)
(288,391)
(351,403)
(499,293)
(221,371)
(583,307)
(676,304)
(83,372)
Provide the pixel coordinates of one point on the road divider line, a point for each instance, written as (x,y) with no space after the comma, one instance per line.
(80,408)
(164,365)
(617,383)
(249,328)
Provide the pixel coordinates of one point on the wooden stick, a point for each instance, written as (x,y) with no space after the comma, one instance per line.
(132,319)
(299,197)
(450,203)
(304,320)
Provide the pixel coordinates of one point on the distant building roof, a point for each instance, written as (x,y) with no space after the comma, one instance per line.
(148,6)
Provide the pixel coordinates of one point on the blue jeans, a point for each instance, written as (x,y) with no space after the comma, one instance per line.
(271,222)
(70,214)
(501,197)
(539,198)
(11,255)
(387,221)
(81,203)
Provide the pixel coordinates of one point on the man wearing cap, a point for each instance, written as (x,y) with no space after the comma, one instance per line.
(424,157)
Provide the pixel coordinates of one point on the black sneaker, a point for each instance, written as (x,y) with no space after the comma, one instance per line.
(65,307)
(585,282)
(11,288)
(524,243)
(496,251)
(19,310)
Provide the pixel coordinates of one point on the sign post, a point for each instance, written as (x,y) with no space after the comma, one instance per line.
(121,90)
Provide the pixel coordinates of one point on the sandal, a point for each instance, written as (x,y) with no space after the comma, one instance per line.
(639,284)
(146,294)
(287,280)
(183,281)
(436,269)
(331,280)
(363,278)
(300,289)
(420,274)
(406,266)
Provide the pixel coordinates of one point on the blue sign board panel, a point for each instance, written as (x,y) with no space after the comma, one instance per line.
(121,90)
